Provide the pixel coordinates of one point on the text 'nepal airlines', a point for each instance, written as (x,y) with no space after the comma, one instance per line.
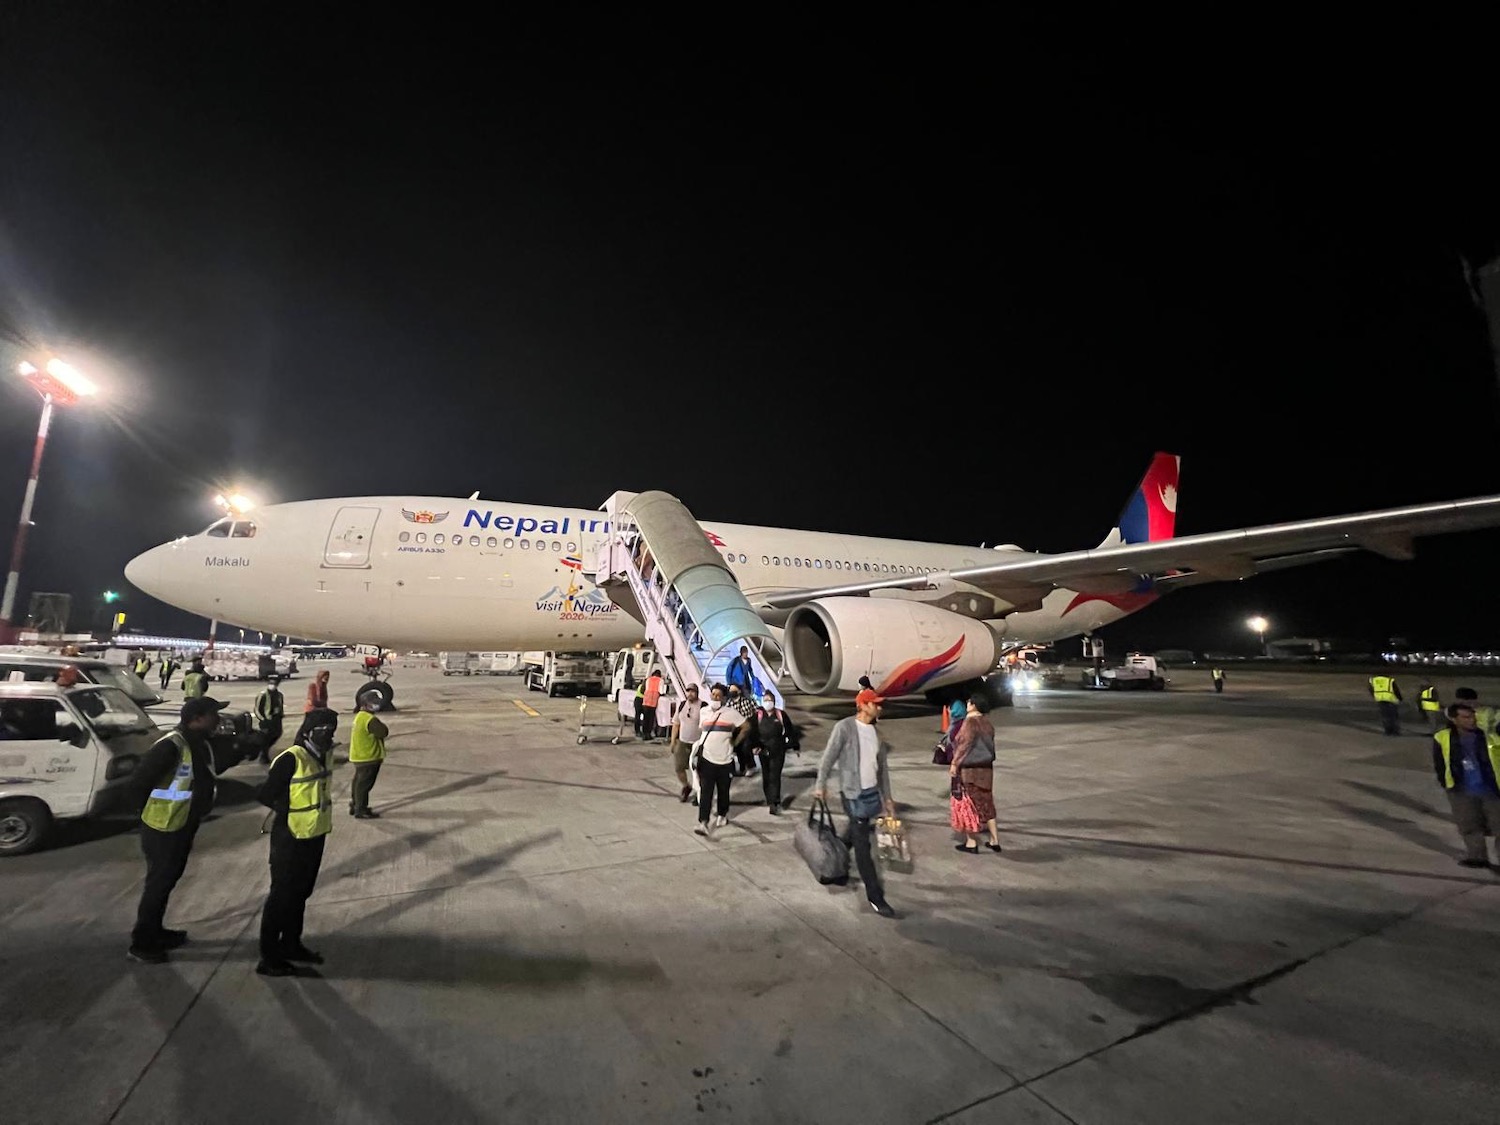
(411,572)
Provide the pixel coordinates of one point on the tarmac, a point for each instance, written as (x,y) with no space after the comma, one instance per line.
(1235,908)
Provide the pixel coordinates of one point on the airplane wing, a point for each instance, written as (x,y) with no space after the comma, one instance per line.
(1216,556)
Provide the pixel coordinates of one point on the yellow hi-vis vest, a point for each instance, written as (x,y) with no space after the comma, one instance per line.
(1444,739)
(1384,688)
(1485,718)
(167,808)
(194,684)
(1429,700)
(309,803)
(363,745)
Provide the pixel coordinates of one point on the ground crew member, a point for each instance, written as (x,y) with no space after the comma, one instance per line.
(1467,763)
(1485,717)
(195,683)
(650,697)
(142,665)
(1387,695)
(298,794)
(179,767)
(168,666)
(270,706)
(366,752)
(1431,706)
(1218,674)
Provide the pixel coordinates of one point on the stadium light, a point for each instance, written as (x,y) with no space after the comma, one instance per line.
(1260,625)
(58,382)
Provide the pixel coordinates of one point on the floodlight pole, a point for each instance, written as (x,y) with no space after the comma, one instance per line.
(13,579)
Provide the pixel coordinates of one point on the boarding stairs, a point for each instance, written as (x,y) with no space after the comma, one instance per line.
(658,565)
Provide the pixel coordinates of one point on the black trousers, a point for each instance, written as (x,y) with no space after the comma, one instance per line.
(270,733)
(294,873)
(166,859)
(771,763)
(861,831)
(365,774)
(1390,717)
(715,779)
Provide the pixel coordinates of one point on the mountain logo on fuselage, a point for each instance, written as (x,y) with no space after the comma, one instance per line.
(573,604)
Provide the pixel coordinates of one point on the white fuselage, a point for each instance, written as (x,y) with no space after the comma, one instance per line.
(434,573)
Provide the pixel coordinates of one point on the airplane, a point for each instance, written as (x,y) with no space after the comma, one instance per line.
(416,572)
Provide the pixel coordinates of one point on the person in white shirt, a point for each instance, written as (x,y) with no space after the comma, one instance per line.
(686,727)
(721,730)
(856,750)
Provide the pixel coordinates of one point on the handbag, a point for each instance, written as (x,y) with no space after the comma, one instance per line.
(818,843)
(956,787)
(942,753)
(891,845)
(867,804)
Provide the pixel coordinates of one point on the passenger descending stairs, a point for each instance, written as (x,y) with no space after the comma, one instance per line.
(657,564)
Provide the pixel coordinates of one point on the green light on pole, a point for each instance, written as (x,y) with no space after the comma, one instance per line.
(110,597)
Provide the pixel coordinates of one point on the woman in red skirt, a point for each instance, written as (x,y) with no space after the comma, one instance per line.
(972,805)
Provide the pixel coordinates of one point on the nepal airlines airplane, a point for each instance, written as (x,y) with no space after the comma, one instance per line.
(418,572)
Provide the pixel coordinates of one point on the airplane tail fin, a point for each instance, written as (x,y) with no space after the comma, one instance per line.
(1151,512)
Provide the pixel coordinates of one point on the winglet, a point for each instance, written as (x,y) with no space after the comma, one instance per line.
(1151,513)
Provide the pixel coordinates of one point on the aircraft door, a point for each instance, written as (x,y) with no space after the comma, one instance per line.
(349,537)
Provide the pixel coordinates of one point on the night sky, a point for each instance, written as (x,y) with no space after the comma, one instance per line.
(928,281)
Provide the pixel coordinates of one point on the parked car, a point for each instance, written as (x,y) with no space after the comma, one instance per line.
(66,752)
(235,740)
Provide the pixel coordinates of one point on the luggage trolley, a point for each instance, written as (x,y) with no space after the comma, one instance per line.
(618,720)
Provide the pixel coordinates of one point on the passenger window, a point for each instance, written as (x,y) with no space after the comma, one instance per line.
(29,719)
(509,544)
(421,537)
(473,540)
(572,547)
(818,564)
(557,545)
(796,562)
(807,562)
(490,542)
(438,538)
(525,544)
(742,558)
(765,560)
(242,529)
(404,537)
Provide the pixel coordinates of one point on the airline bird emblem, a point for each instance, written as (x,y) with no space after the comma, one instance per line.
(423,516)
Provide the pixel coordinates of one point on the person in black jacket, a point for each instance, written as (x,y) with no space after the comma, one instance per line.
(777,734)
(296,849)
(163,778)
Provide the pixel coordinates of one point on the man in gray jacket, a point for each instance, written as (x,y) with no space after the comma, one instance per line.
(859,753)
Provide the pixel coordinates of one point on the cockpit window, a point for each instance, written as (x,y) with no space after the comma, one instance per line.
(219,529)
(242,529)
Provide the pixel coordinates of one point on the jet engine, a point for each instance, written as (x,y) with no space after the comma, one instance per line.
(905,647)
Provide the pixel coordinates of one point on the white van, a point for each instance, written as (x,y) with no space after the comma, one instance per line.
(66,752)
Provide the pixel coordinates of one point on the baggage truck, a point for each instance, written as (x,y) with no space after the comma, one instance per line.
(577,673)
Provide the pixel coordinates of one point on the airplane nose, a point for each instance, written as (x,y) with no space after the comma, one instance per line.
(144,571)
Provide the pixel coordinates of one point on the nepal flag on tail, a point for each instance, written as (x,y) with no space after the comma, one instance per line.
(1151,514)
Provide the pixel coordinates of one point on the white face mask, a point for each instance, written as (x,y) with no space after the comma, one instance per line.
(716,703)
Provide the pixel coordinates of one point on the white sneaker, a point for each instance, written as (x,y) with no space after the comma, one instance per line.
(720,821)
(706,829)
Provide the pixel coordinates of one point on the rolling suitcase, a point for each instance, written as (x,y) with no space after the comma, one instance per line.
(818,843)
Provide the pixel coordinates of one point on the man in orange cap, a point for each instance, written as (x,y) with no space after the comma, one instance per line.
(857,751)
